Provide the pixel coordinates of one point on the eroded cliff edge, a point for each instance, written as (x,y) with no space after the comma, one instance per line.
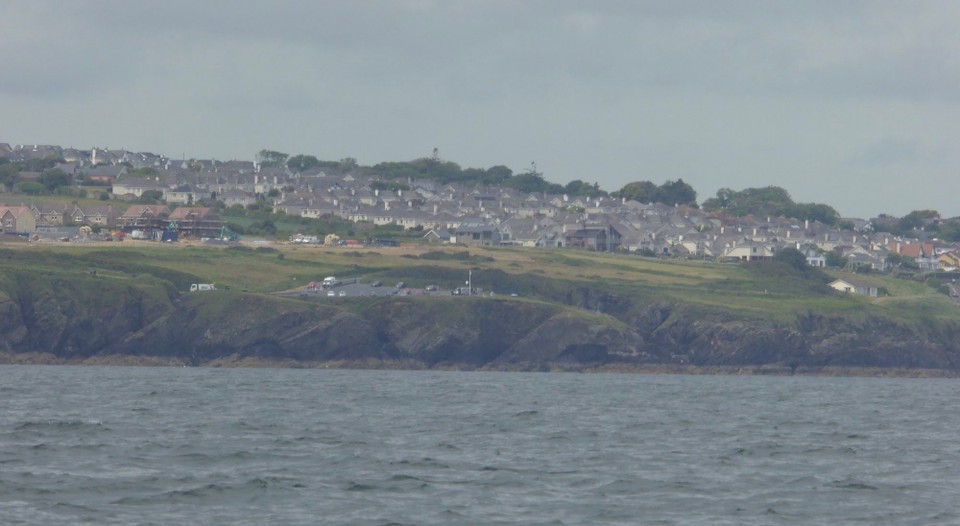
(147,321)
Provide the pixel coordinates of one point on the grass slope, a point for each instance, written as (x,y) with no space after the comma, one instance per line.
(562,277)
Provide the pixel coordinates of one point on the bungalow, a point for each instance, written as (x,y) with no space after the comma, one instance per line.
(854,287)
(750,251)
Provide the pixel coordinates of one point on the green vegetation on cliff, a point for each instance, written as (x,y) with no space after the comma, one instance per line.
(572,310)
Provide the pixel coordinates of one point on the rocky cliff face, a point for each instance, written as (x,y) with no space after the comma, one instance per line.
(100,320)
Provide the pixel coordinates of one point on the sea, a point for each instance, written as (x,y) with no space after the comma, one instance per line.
(128,445)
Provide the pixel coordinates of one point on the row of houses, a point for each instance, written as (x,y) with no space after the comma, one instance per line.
(451,212)
(192,221)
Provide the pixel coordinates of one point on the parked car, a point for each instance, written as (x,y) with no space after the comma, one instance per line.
(376,284)
(431,287)
(401,285)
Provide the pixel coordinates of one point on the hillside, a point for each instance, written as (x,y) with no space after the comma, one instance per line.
(551,310)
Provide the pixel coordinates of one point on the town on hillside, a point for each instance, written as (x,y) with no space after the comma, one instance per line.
(189,196)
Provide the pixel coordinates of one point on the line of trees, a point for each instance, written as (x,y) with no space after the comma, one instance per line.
(769,201)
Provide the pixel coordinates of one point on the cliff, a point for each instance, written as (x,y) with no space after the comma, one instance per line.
(97,319)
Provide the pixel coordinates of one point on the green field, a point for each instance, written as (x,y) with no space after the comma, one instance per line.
(622,282)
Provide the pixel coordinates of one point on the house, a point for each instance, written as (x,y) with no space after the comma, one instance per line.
(921,253)
(183,194)
(749,251)
(49,214)
(195,221)
(439,235)
(587,238)
(238,197)
(17,219)
(478,233)
(135,187)
(105,174)
(144,217)
(854,287)
(815,258)
(103,216)
(949,261)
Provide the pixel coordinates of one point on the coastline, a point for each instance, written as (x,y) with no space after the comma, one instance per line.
(35,358)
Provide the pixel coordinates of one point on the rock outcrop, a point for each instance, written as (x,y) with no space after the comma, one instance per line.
(104,321)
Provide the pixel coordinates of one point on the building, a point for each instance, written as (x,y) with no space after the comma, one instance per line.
(854,287)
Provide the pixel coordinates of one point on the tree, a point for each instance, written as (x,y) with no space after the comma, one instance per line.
(769,201)
(677,193)
(271,158)
(32,188)
(835,260)
(54,178)
(496,175)
(792,257)
(918,219)
(950,231)
(578,187)
(150,197)
(722,201)
(9,176)
(302,162)
(640,191)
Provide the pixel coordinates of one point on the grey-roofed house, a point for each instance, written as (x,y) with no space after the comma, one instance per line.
(854,286)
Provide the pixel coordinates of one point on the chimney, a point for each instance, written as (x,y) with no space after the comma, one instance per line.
(806,224)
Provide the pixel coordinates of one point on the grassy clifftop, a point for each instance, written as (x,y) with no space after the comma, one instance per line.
(575,309)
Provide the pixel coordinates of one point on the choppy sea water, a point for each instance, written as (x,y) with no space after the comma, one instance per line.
(117,445)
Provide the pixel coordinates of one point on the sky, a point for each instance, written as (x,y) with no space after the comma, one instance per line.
(855,104)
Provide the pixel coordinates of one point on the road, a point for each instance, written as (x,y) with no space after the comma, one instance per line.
(351,289)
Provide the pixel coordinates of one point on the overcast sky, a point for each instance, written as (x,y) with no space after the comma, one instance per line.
(852,104)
